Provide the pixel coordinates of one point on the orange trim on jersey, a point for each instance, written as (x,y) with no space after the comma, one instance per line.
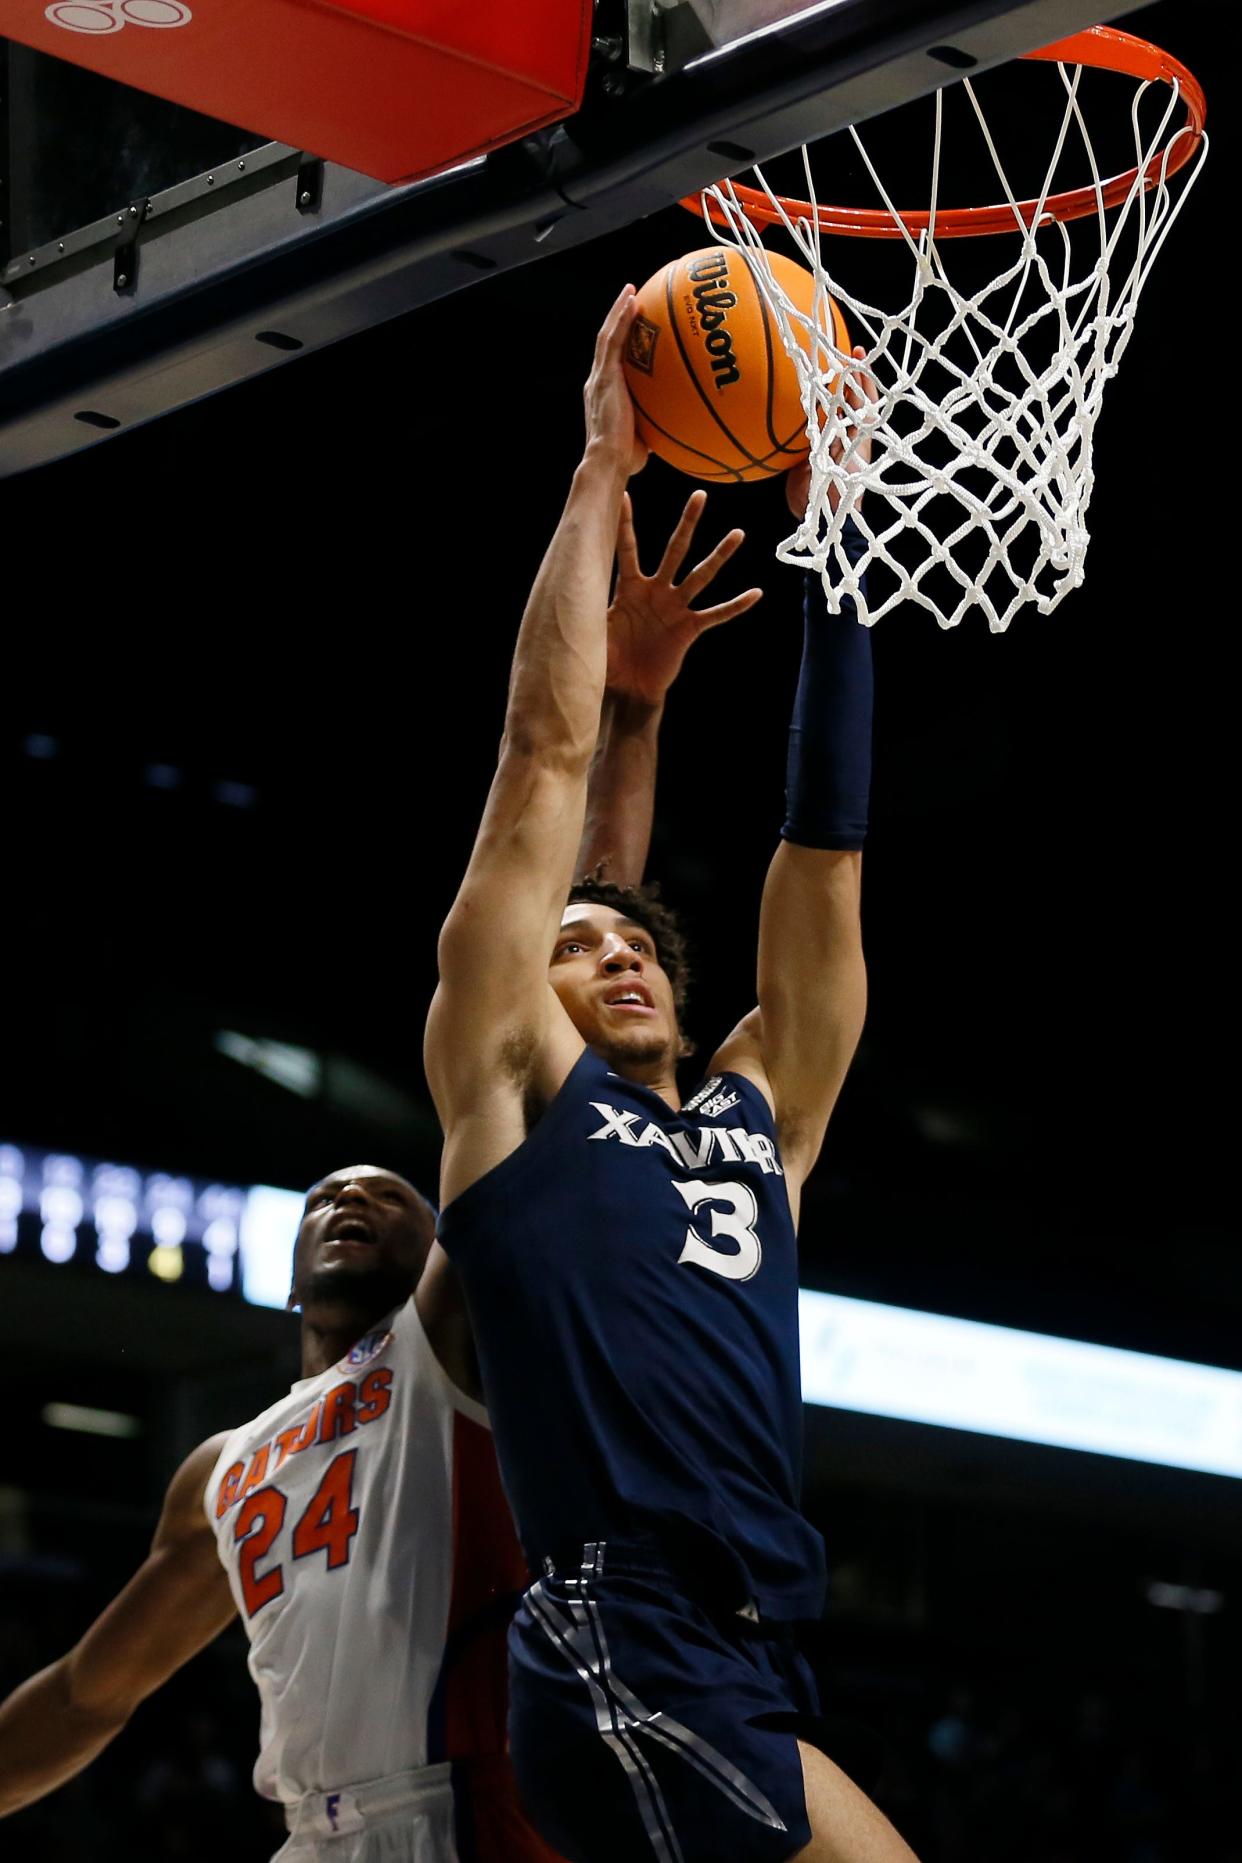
(256,1473)
(489,1575)
(309,1430)
(227,1492)
(338,1412)
(374,1394)
(470,1707)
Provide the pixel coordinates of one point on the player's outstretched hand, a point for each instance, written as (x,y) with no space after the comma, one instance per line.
(861,396)
(651,623)
(609,410)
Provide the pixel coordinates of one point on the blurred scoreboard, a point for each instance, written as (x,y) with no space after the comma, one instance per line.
(107,1218)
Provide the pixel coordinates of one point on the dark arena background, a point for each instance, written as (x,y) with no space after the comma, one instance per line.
(254,673)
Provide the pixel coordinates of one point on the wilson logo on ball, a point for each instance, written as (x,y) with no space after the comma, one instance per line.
(711,304)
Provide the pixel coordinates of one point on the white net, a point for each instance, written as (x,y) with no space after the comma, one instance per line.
(980,472)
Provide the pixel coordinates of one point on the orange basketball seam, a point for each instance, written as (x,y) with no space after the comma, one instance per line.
(767,344)
(732,471)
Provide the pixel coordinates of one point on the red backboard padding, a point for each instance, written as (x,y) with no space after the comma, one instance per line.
(393,88)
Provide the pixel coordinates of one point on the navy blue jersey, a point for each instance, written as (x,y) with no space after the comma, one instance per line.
(631,1274)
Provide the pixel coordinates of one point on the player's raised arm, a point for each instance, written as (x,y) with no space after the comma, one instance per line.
(493,1007)
(54,1724)
(799,1043)
(651,626)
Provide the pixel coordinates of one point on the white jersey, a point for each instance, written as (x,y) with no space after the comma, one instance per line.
(374,1564)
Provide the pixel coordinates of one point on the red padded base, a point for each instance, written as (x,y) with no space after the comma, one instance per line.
(393,88)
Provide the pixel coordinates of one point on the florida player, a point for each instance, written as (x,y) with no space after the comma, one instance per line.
(629,1257)
(357,1526)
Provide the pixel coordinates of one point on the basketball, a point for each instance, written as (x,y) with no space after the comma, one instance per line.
(714,392)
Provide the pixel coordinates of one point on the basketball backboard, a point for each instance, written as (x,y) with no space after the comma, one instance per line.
(153,255)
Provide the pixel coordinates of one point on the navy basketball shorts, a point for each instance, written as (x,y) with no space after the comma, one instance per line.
(641,1727)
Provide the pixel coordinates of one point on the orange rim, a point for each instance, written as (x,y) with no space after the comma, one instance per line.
(1104,48)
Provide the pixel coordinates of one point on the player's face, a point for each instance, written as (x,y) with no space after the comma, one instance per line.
(611,984)
(363,1240)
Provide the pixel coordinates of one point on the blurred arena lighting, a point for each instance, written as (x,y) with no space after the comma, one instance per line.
(162,776)
(167,1263)
(298,1069)
(119,1220)
(1030,1387)
(857,1355)
(91,1422)
(235,795)
(269,1223)
(1201,1601)
(341,1082)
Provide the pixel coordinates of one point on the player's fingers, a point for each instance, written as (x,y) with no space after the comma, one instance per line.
(712,564)
(682,537)
(864,398)
(618,324)
(865,378)
(857,386)
(608,330)
(727,611)
(797,489)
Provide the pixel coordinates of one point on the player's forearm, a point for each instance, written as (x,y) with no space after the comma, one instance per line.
(812,980)
(810,939)
(812,990)
(45,1737)
(828,772)
(621,793)
(559,663)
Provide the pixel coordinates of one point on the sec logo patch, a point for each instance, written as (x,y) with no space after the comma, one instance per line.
(366,1349)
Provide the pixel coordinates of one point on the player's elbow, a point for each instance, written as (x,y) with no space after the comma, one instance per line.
(95,1704)
(556,689)
(547,740)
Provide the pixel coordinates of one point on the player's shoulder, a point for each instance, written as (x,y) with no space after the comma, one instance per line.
(395,1335)
(199,1463)
(185,1500)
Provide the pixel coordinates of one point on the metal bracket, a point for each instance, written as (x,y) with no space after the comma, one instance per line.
(310,184)
(663,35)
(645,48)
(125,253)
(185,199)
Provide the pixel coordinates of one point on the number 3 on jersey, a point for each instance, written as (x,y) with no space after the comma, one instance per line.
(736,1222)
(327,1524)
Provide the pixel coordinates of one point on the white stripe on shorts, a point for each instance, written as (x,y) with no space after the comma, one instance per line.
(576,1629)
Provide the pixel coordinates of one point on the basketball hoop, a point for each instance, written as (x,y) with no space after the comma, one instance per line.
(981,435)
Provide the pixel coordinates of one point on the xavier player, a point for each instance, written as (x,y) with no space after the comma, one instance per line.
(358,1526)
(629,1259)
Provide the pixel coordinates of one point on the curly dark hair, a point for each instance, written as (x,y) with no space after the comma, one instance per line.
(644,905)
